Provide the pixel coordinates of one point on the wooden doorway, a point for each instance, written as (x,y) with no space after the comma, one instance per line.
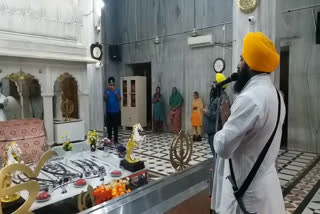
(144,69)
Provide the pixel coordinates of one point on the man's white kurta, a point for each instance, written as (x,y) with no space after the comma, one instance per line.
(249,127)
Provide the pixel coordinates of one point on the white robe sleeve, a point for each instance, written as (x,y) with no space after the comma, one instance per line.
(244,114)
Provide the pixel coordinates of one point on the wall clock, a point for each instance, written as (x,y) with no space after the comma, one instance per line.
(96,51)
(219,65)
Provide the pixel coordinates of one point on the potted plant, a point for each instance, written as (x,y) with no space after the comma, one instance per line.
(93,137)
(67,146)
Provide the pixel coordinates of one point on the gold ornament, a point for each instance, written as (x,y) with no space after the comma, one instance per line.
(67,108)
(248,6)
(19,76)
(134,142)
(83,198)
(12,155)
(31,186)
(180,151)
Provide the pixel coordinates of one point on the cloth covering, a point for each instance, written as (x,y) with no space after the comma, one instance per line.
(197,115)
(260,53)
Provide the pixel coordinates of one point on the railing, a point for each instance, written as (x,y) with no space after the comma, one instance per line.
(162,195)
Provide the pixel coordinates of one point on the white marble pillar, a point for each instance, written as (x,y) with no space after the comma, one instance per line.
(48,116)
(25,99)
(96,103)
(265,16)
(58,100)
(84,109)
(5,87)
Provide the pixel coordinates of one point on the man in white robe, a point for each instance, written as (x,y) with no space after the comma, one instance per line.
(246,130)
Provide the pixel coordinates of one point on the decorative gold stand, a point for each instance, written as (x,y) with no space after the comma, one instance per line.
(180,151)
(10,198)
(83,198)
(31,186)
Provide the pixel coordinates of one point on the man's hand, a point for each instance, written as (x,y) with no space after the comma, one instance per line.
(105,96)
(225,111)
(112,88)
(205,110)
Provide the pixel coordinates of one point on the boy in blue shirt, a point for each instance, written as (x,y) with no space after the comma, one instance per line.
(112,98)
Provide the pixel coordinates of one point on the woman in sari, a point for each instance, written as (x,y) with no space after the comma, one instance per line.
(175,103)
(158,111)
(197,117)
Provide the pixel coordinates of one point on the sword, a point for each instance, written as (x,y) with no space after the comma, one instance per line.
(86,173)
(64,174)
(102,170)
(95,172)
(80,173)
(239,200)
(102,161)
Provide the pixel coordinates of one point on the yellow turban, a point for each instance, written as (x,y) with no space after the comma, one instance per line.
(260,53)
(219,78)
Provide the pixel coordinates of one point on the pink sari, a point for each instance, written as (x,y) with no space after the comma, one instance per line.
(175,118)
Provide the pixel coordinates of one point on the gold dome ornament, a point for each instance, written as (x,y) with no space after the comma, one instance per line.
(248,6)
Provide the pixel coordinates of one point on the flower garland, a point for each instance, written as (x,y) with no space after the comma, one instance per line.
(112,190)
(67,146)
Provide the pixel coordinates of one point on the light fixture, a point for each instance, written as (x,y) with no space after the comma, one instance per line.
(100,3)
(99,64)
(194,33)
(156,40)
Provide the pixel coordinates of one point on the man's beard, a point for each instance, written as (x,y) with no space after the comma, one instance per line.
(244,77)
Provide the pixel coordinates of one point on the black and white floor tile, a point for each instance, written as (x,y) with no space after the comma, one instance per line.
(292,164)
(314,206)
(295,168)
(155,151)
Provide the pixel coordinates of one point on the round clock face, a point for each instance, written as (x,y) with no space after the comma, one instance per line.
(96,52)
(218,65)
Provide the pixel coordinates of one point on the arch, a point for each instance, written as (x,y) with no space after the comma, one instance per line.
(31,105)
(68,88)
(15,76)
(60,75)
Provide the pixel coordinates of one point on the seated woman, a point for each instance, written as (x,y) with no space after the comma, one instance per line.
(197,117)
(175,103)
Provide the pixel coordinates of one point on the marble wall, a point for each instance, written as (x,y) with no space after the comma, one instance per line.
(173,62)
(94,74)
(298,32)
(266,16)
(42,29)
(48,38)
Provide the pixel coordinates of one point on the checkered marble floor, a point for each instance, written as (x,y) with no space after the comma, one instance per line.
(291,165)
(314,205)
(155,151)
(299,172)
(297,200)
